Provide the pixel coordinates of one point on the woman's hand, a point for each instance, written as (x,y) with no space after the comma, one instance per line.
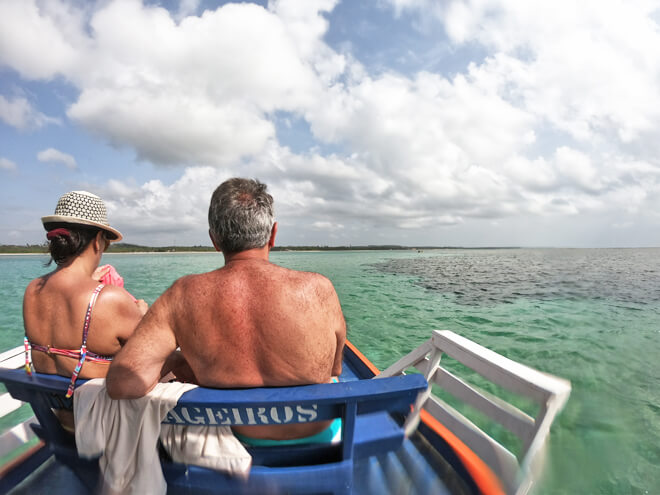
(101,272)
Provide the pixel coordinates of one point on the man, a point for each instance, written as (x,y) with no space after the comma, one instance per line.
(248,324)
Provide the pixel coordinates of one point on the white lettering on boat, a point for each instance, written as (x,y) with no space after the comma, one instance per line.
(311,413)
(198,420)
(237,416)
(250,414)
(243,416)
(211,418)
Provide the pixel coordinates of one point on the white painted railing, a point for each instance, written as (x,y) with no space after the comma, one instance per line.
(13,358)
(21,433)
(549,392)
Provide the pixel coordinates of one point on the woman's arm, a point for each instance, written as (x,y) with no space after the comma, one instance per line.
(118,313)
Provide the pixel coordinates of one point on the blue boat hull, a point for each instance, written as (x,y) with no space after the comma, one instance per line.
(425,463)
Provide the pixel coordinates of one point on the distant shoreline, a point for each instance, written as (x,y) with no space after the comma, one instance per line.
(301,249)
(23,254)
(40,250)
(120,252)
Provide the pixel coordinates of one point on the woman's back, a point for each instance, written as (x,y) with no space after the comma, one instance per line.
(73,323)
(54,312)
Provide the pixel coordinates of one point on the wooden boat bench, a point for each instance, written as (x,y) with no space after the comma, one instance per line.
(372,413)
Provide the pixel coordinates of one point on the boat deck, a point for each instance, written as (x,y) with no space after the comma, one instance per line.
(415,468)
(445,453)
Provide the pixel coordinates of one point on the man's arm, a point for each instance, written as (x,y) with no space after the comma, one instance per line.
(137,368)
(339,353)
(337,323)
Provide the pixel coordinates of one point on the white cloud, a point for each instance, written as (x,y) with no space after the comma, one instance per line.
(40,39)
(20,114)
(431,9)
(157,211)
(440,143)
(587,67)
(327,226)
(197,92)
(194,93)
(7,164)
(576,167)
(187,8)
(558,115)
(174,128)
(306,26)
(535,175)
(56,156)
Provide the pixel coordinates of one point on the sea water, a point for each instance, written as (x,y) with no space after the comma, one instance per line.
(591,316)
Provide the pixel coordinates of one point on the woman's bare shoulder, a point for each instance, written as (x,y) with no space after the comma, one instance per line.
(35,286)
(116,299)
(32,287)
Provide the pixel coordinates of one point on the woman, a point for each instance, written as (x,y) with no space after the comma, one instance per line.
(73,323)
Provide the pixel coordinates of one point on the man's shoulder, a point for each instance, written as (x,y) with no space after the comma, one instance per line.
(308,281)
(191,285)
(313,277)
(188,281)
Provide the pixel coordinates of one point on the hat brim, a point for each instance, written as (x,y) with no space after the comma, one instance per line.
(80,221)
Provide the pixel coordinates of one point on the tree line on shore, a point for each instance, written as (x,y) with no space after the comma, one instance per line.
(123,247)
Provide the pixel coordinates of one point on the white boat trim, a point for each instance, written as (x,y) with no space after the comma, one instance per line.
(549,392)
(8,404)
(16,437)
(19,434)
(13,358)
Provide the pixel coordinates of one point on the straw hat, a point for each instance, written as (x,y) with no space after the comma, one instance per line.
(83,208)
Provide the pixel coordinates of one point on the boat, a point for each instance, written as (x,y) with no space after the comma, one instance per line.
(436,404)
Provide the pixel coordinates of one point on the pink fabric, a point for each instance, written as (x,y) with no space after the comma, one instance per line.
(112,277)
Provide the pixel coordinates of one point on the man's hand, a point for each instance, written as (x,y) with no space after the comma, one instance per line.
(176,367)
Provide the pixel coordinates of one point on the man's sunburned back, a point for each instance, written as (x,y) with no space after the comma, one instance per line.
(247,324)
(252,323)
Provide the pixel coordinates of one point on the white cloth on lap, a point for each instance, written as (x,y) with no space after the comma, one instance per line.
(213,447)
(125,434)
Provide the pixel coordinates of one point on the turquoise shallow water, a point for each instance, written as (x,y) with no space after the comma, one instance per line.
(591,316)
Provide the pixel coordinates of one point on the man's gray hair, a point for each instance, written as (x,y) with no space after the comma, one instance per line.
(241,215)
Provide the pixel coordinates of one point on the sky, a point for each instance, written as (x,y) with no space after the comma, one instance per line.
(410,122)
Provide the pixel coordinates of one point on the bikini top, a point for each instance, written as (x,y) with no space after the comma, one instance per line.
(82,354)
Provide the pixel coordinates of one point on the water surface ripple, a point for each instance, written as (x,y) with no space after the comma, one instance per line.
(591,316)
(478,277)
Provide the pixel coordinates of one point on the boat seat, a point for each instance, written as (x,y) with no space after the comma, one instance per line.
(372,413)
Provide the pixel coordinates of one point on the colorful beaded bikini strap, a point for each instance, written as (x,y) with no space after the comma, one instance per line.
(83,347)
(28,356)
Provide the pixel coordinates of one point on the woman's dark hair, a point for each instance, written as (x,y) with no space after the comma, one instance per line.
(66,241)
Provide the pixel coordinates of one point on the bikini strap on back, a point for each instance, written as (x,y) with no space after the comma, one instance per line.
(83,347)
(28,356)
